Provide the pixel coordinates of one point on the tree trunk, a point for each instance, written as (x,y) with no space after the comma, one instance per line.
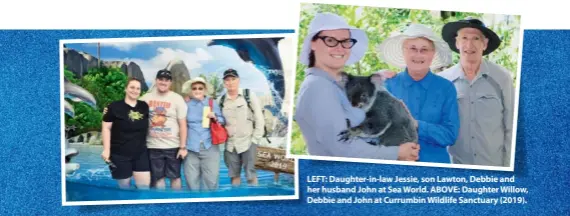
(98,54)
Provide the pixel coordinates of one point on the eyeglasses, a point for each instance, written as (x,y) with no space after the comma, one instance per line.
(421,51)
(333,42)
(199,88)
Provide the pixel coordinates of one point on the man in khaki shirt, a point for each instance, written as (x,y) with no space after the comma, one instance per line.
(245,129)
(485,93)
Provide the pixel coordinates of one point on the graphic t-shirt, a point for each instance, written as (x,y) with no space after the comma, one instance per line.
(165,110)
(129,129)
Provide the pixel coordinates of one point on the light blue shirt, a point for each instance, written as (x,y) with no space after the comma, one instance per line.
(432,101)
(196,133)
(322,108)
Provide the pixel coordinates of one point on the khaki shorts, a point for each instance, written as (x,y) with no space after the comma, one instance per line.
(235,162)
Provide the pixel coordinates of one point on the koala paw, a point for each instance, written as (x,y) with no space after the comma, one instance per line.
(344,135)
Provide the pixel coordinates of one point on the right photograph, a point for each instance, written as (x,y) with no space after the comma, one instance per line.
(406,86)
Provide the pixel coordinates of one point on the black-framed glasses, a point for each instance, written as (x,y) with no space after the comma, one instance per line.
(199,88)
(333,42)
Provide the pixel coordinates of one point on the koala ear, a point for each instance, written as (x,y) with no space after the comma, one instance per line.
(377,78)
(344,78)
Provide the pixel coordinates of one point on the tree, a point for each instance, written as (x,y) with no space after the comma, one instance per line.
(106,85)
(216,83)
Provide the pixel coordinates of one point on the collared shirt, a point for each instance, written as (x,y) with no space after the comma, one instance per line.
(432,102)
(196,133)
(322,108)
(240,122)
(486,110)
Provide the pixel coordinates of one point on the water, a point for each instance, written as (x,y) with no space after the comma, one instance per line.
(93,182)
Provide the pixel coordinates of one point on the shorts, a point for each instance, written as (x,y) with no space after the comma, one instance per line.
(163,163)
(125,166)
(235,162)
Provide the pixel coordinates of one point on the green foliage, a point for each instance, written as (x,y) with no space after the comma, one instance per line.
(86,118)
(106,85)
(70,76)
(297,143)
(216,83)
(380,23)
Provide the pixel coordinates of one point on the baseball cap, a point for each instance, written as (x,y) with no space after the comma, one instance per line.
(164,74)
(230,72)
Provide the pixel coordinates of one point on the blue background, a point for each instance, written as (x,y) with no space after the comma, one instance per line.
(30,178)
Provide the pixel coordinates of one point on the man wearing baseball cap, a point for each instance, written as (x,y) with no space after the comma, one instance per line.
(485,95)
(245,125)
(166,141)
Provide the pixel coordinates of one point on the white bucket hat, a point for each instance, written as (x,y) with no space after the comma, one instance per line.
(187,86)
(330,21)
(391,49)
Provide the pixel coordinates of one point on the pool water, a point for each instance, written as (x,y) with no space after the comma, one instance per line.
(93,182)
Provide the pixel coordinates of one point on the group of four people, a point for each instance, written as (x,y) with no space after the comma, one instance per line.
(154,137)
(463,114)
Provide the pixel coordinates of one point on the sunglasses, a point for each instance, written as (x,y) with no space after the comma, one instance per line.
(199,88)
(333,42)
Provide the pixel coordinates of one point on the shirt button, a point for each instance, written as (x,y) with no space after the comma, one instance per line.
(472,137)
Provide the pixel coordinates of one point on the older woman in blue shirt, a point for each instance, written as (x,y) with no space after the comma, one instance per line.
(431,99)
(322,107)
(203,160)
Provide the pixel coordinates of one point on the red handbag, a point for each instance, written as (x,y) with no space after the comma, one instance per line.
(217,130)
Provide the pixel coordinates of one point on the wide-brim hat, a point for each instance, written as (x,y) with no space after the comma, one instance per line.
(187,86)
(330,21)
(449,32)
(391,50)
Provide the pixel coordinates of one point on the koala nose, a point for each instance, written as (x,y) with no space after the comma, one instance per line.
(363,98)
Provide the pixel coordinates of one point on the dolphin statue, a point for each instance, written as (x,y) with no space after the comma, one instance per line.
(264,54)
(77,94)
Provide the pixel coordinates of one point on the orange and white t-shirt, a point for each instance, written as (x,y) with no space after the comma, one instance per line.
(164,112)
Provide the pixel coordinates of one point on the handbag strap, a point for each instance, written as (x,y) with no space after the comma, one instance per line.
(210,101)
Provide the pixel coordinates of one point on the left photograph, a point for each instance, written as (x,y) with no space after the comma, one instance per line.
(176,119)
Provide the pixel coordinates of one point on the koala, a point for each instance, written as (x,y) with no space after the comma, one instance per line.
(386,116)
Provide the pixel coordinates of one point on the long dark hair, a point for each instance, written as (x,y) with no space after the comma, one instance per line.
(312,53)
